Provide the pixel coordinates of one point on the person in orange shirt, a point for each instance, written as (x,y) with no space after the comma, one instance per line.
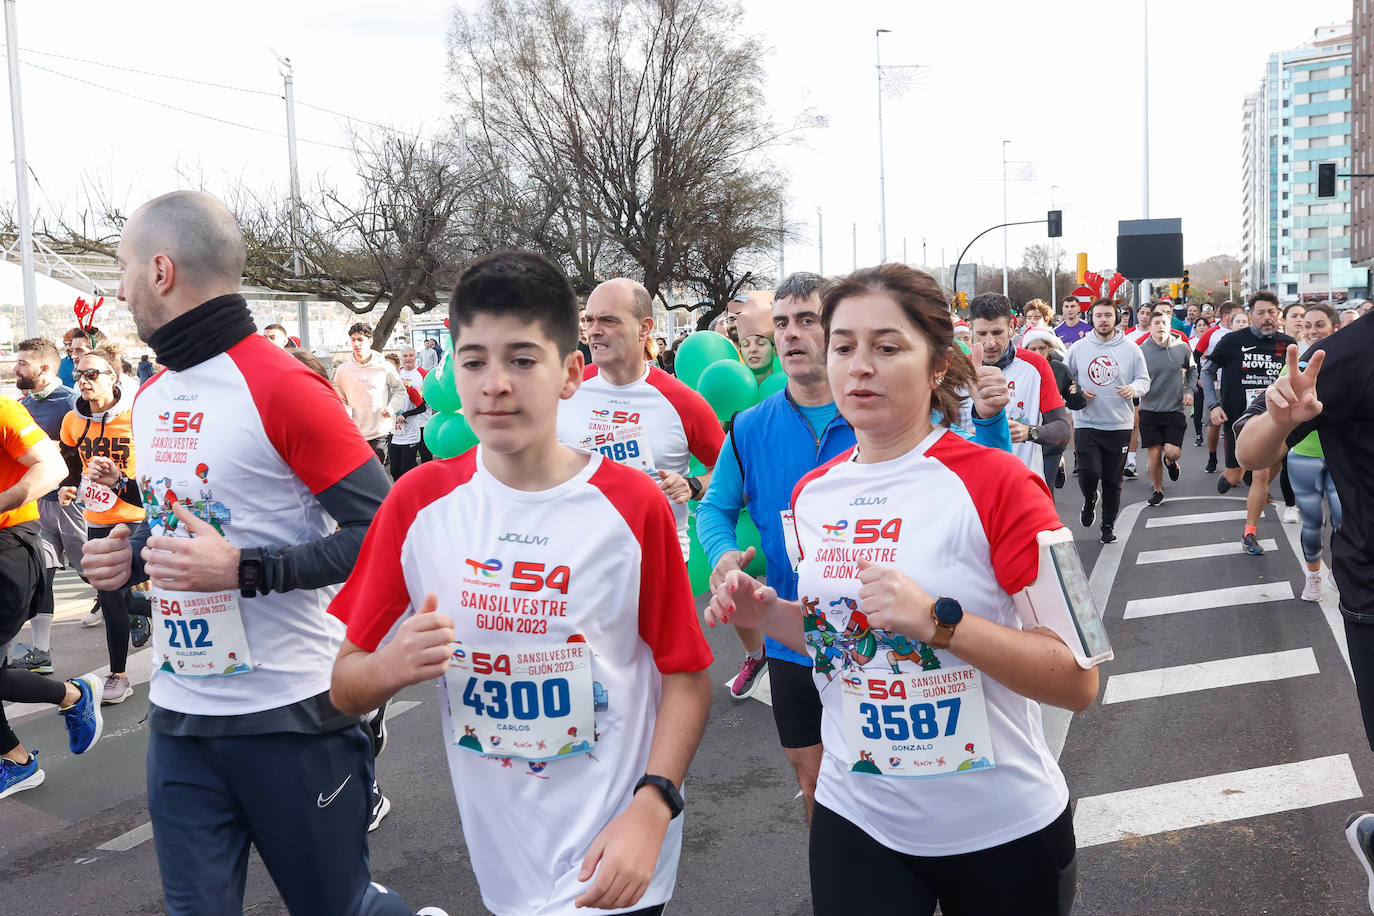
(30,465)
(101,427)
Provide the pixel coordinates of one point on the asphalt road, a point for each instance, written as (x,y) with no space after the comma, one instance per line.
(1213,776)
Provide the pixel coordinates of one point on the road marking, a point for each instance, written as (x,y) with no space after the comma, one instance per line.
(395,709)
(763,692)
(1200,518)
(1330,603)
(1225,672)
(1201,601)
(1180,554)
(1214,799)
(126,841)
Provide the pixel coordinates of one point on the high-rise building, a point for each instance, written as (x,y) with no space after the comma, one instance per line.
(1362,135)
(1296,245)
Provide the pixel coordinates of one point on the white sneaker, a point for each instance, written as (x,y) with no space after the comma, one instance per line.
(1312,587)
(1291,516)
(93,616)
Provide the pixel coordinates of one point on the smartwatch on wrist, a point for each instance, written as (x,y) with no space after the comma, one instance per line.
(695,486)
(947,613)
(671,796)
(1033,433)
(250,571)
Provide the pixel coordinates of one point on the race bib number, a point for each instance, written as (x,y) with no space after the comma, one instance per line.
(95,497)
(199,634)
(627,445)
(535,703)
(789,535)
(1252,393)
(930,723)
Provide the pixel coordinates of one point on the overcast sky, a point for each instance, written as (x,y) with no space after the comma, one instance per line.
(1062,80)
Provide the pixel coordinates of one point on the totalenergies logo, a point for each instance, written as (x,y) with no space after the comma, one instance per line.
(487,569)
(837,530)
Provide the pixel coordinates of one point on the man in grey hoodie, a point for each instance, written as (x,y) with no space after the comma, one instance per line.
(1110,372)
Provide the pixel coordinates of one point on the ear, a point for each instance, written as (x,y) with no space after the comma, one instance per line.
(164,274)
(572,374)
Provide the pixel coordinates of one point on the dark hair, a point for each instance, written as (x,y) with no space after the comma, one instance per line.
(923,302)
(309,359)
(277,327)
(359,327)
(1109,303)
(989,307)
(1227,308)
(1067,299)
(1293,305)
(41,347)
(1262,295)
(1324,307)
(799,285)
(523,284)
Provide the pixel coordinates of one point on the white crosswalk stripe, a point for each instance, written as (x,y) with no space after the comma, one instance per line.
(1206,600)
(1225,672)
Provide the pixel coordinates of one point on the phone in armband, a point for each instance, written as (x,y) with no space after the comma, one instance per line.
(1061,600)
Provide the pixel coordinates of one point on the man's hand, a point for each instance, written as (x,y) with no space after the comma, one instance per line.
(102,470)
(1292,399)
(1019,431)
(205,562)
(1217,416)
(422,647)
(989,386)
(675,486)
(1188,399)
(66,496)
(1089,395)
(624,854)
(1126,392)
(107,562)
(893,601)
(386,414)
(742,600)
(730,561)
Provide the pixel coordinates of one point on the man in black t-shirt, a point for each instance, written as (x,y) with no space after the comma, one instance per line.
(1248,361)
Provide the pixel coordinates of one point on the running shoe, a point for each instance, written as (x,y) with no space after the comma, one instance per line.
(1223,485)
(1172,468)
(376,730)
(1291,516)
(1359,833)
(1211,463)
(117,690)
(1312,586)
(84,722)
(16,777)
(93,616)
(1089,512)
(1059,478)
(748,679)
(1156,498)
(1252,546)
(1197,441)
(1107,536)
(1129,473)
(431,911)
(35,660)
(140,630)
(381,806)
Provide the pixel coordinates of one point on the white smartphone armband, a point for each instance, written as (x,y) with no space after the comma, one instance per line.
(1060,600)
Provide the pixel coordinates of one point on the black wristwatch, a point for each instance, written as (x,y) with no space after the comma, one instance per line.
(671,795)
(947,613)
(250,571)
(695,486)
(1033,433)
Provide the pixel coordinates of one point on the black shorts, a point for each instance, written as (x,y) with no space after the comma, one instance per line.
(1034,875)
(1162,427)
(1228,440)
(796,704)
(23,578)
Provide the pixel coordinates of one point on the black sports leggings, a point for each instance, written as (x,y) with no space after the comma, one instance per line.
(853,874)
(1101,455)
(25,687)
(114,606)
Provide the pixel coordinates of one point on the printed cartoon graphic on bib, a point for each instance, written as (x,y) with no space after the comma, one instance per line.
(914,725)
(95,496)
(620,437)
(199,634)
(537,703)
(161,494)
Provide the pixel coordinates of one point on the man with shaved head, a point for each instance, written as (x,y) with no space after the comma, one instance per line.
(636,414)
(258,491)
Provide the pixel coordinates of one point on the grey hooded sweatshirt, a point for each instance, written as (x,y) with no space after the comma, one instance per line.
(1100,367)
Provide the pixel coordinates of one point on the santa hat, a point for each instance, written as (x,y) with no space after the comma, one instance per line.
(1035,334)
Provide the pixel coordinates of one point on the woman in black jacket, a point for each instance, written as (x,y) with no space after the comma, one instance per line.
(1052,348)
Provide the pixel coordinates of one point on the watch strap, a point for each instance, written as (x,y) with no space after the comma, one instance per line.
(250,572)
(671,796)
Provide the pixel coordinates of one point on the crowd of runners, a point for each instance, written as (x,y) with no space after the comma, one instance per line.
(296,557)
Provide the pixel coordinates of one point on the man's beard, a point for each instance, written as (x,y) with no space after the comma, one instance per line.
(25,384)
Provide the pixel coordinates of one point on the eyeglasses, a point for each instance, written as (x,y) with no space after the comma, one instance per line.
(91,375)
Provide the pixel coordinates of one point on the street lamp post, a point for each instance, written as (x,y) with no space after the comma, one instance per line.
(1054,260)
(1006,285)
(882,180)
(21,175)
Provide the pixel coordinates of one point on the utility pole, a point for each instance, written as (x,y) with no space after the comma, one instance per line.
(903,249)
(1054,259)
(21,175)
(820,243)
(882,185)
(1006,284)
(1145,113)
(854,235)
(302,307)
(942,269)
(782,235)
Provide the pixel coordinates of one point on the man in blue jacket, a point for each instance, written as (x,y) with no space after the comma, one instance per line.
(770,447)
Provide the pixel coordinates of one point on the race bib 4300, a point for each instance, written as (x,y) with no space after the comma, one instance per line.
(536,703)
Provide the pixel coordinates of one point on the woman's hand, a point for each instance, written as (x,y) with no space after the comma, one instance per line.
(893,601)
(102,470)
(66,496)
(742,600)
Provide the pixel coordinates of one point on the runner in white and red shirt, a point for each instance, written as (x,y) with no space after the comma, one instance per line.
(989,830)
(544,588)
(635,414)
(1036,413)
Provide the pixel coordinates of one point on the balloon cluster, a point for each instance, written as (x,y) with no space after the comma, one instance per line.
(447,433)
(708,363)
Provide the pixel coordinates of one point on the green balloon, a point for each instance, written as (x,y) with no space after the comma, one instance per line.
(729,387)
(433,427)
(455,438)
(700,350)
(698,567)
(746,536)
(439,390)
(771,385)
(968,351)
(777,363)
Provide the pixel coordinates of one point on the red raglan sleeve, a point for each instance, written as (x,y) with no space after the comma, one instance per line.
(704,433)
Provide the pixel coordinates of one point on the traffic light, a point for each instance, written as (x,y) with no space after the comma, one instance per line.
(1183,286)
(1173,291)
(961,300)
(1056,223)
(1082,266)
(1326,180)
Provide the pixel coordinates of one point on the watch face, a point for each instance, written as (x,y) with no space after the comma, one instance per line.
(948,611)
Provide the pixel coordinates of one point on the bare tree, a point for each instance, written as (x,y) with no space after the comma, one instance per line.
(737,229)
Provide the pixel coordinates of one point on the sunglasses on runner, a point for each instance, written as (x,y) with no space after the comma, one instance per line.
(91,375)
